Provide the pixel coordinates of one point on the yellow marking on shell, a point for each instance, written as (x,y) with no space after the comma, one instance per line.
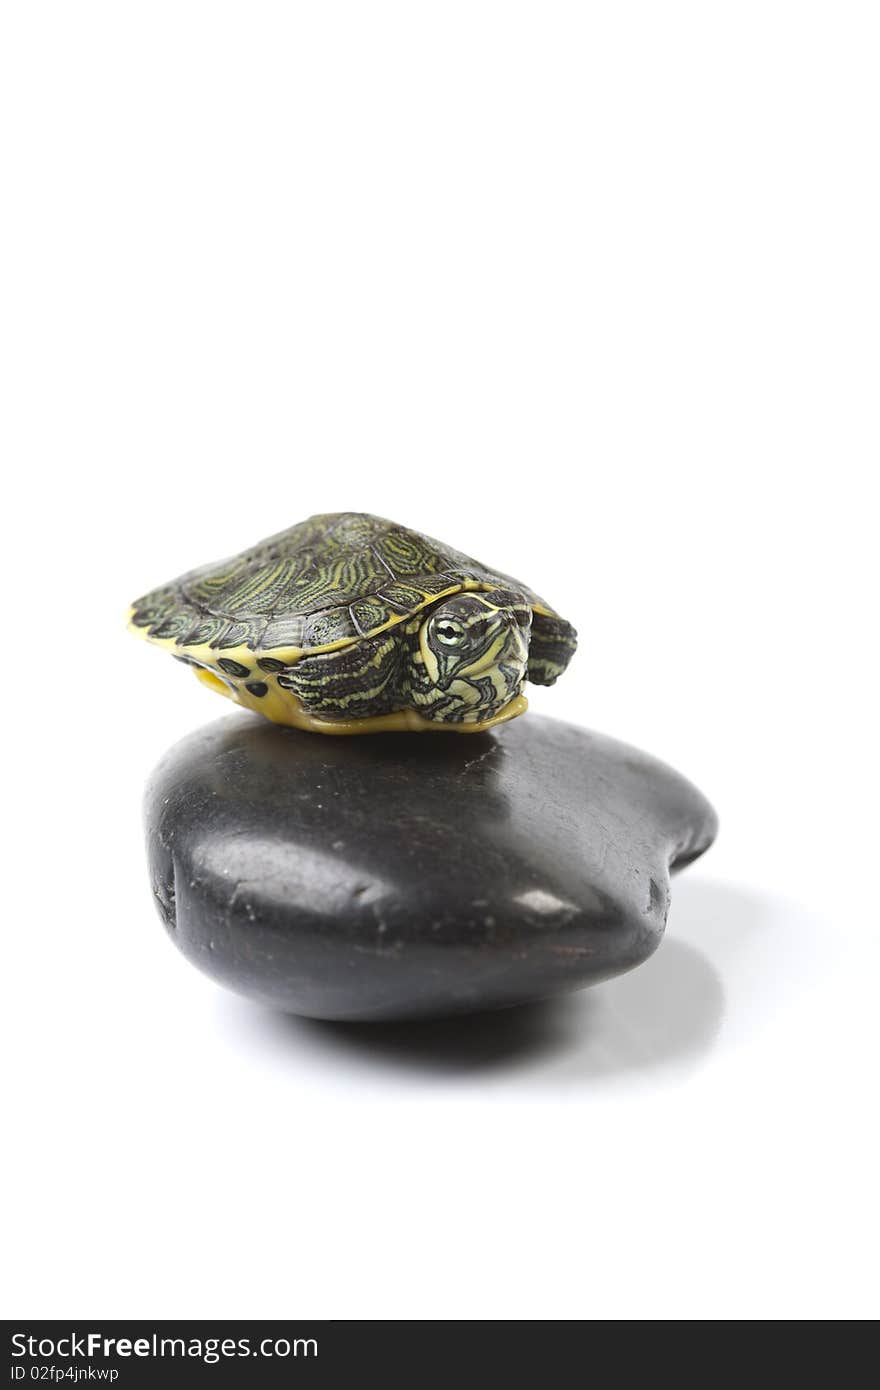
(202,651)
(211,655)
(213,681)
(282,707)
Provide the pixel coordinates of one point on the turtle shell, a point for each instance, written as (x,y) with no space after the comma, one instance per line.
(318,586)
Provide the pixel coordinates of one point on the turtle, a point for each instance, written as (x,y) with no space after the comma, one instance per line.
(348,623)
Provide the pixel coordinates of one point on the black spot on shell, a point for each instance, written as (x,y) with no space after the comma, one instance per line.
(258,688)
(268,663)
(233,668)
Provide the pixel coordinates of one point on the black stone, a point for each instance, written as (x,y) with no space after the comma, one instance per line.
(398,876)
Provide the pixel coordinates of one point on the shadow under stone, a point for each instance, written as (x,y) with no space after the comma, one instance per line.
(667,1011)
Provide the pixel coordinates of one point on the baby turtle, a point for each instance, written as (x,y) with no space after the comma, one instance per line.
(348,623)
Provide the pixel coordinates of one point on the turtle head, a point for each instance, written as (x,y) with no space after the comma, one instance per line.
(470,656)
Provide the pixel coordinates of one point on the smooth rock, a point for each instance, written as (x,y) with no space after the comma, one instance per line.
(415,875)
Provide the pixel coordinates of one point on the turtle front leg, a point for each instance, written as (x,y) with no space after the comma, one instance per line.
(551,647)
(357,682)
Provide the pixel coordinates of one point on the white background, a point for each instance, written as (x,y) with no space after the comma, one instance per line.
(591,290)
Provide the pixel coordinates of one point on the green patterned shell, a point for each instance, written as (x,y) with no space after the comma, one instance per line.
(323,584)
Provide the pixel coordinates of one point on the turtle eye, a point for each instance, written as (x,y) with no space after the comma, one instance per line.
(449,632)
